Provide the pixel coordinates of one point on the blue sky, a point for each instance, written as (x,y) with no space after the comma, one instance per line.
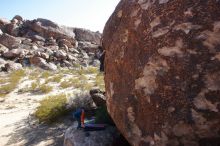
(90,14)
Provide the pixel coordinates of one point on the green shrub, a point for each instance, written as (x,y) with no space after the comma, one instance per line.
(45,88)
(14,78)
(16,75)
(66,84)
(102,116)
(99,82)
(45,74)
(34,86)
(3,80)
(6,89)
(92,70)
(87,86)
(51,108)
(88,70)
(56,79)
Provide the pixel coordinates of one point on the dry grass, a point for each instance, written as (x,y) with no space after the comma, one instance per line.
(51,108)
(13,80)
(3,80)
(44,88)
(99,81)
(45,74)
(55,79)
(66,84)
(88,70)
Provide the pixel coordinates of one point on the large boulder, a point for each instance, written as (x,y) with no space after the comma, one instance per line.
(12,66)
(88,47)
(18,18)
(87,35)
(3,49)
(12,29)
(12,54)
(40,62)
(74,137)
(162,71)
(9,41)
(61,55)
(98,97)
(47,29)
(2,63)
(3,23)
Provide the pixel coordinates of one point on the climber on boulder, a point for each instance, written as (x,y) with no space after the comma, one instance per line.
(101,58)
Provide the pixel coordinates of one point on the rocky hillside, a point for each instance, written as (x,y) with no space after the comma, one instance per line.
(45,44)
(162,70)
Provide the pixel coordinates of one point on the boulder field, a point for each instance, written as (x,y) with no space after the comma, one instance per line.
(45,44)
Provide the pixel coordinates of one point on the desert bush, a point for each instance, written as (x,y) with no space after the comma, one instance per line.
(92,70)
(87,70)
(43,88)
(3,80)
(34,86)
(87,86)
(45,74)
(16,75)
(56,79)
(66,84)
(99,81)
(13,79)
(51,108)
(5,89)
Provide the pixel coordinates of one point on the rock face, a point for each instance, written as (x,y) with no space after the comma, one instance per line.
(9,41)
(162,71)
(74,137)
(47,28)
(12,66)
(86,35)
(98,97)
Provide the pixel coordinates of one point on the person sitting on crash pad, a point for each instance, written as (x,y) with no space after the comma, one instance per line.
(79,114)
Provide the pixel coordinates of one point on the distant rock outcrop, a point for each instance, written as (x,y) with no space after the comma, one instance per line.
(45,44)
(162,71)
(87,35)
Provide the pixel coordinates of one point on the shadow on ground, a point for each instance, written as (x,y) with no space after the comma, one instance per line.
(27,134)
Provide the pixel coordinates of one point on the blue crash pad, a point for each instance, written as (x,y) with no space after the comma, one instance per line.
(94,127)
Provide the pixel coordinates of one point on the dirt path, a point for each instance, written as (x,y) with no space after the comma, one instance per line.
(19,128)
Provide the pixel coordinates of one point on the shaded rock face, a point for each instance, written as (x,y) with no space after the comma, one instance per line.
(98,97)
(162,70)
(86,35)
(12,66)
(9,41)
(47,28)
(74,137)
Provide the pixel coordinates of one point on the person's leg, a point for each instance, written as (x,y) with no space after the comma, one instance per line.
(79,123)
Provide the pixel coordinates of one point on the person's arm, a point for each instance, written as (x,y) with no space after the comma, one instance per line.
(82,118)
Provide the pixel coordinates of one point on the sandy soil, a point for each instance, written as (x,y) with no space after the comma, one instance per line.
(19,128)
